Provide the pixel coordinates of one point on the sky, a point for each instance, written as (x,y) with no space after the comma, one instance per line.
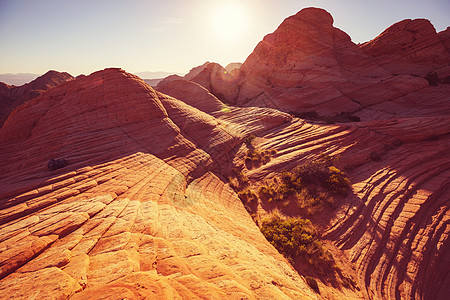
(81,37)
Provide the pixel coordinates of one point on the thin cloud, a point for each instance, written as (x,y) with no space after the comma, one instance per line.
(164,23)
(169,20)
(155,29)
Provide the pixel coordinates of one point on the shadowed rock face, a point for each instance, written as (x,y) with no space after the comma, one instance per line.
(13,96)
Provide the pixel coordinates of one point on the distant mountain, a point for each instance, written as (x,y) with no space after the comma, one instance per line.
(155,75)
(153,82)
(17,79)
(14,96)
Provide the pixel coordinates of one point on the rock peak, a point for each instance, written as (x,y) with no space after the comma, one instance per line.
(314,15)
(407,44)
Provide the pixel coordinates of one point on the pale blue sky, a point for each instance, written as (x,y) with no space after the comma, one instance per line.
(172,35)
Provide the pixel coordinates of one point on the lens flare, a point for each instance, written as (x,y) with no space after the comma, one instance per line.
(229,21)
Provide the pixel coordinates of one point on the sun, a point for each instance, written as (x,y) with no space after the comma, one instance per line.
(229,21)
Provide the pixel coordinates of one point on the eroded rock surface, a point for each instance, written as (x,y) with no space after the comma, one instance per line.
(394,229)
(410,47)
(144,210)
(136,213)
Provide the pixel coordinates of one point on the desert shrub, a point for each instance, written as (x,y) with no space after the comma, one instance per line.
(314,184)
(313,201)
(255,157)
(234,183)
(247,196)
(307,115)
(240,176)
(269,193)
(331,178)
(296,238)
(238,181)
(290,183)
(343,117)
(249,139)
(312,172)
(337,182)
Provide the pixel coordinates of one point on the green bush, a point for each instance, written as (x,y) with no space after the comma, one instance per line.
(247,196)
(269,193)
(330,178)
(337,182)
(249,139)
(255,157)
(296,238)
(314,184)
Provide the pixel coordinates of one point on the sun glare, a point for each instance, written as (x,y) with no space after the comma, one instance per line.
(229,21)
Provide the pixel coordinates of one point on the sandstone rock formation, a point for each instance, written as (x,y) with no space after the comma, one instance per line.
(220,82)
(143,208)
(393,229)
(12,96)
(136,213)
(409,47)
(306,65)
(233,67)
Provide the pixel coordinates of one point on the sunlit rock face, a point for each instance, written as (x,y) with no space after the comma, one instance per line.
(308,57)
(138,211)
(220,82)
(410,47)
(14,96)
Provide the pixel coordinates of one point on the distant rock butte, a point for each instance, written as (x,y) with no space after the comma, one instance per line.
(13,96)
(410,47)
(143,208)
(212,76)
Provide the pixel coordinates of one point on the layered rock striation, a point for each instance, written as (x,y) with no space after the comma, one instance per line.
(138,212)
(142,207)
(393,230)
(411,47)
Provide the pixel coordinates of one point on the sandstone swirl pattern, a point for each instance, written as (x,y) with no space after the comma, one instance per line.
(136,214)
(143,209)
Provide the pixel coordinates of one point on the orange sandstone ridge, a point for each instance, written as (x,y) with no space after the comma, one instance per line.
(143,208)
